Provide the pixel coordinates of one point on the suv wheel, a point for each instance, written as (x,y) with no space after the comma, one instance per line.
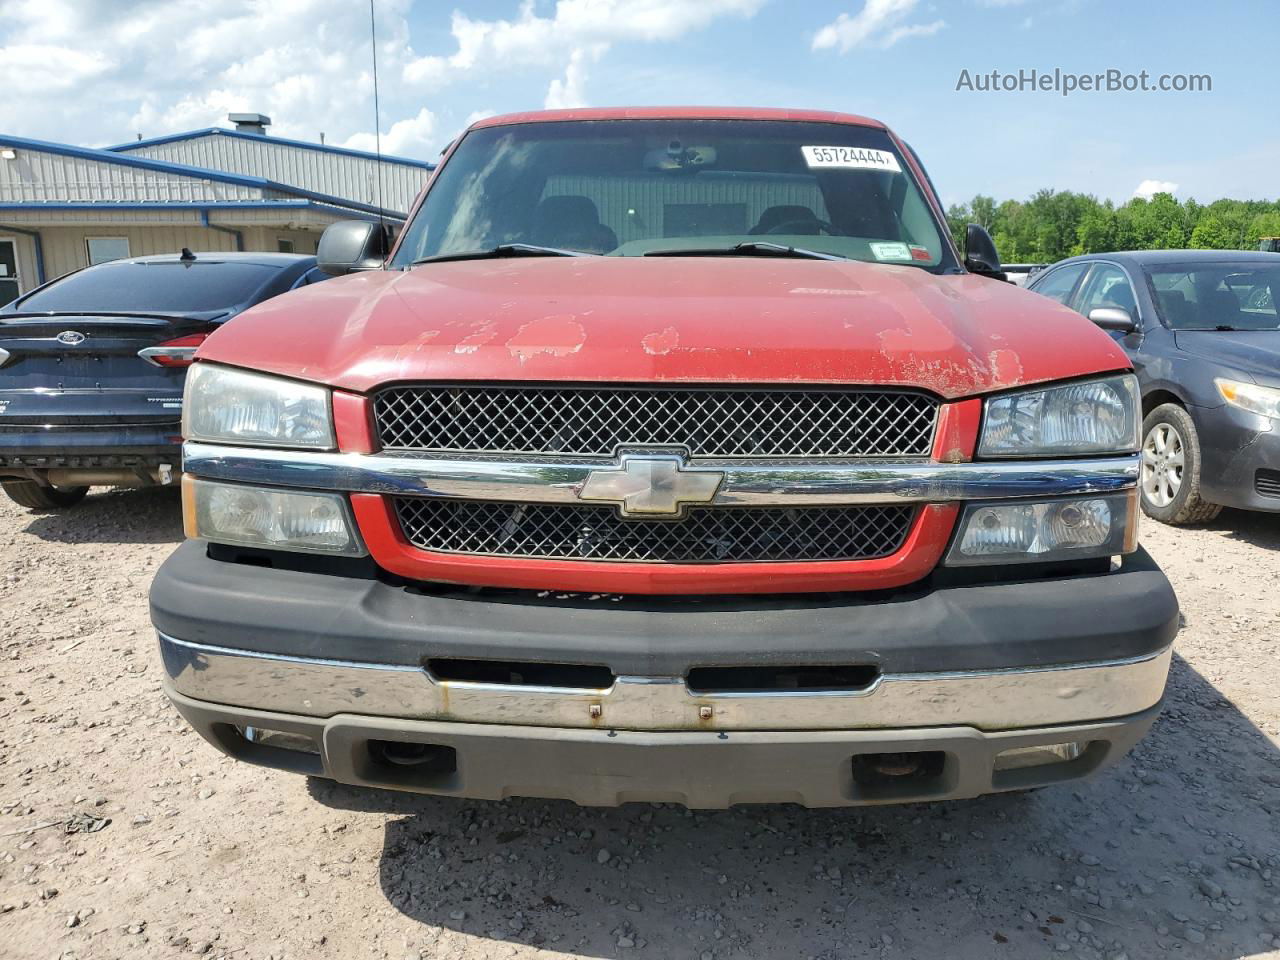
(1170,482)
(28,493)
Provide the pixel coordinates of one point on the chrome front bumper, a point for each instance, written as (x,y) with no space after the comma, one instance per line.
(745,482)
(989,700)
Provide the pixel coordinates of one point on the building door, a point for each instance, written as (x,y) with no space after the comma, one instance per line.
(9,288)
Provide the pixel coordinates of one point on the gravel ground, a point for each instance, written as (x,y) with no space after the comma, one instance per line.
(1176,852)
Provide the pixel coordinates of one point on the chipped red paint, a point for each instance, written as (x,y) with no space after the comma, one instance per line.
(918,555)
(554,336)
(663,341)
(594,319)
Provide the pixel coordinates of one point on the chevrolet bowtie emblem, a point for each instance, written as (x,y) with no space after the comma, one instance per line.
(649,485)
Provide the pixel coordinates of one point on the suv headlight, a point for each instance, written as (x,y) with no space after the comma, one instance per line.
(1264,401)
(225,405)
(1041,531)
(302,520)
(1086,417)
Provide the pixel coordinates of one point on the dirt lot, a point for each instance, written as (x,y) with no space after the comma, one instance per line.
(1175,852)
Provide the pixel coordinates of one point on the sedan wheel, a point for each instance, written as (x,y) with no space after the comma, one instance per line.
(1170,473)
(1163,460)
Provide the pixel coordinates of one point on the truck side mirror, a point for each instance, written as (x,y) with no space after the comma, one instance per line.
(349,246)
(980,254)
(1113,318)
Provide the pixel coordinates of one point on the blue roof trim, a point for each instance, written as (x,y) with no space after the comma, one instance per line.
(193,205)
(181,169)
(260,138)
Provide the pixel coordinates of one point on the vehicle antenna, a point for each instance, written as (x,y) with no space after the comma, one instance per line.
(377,124)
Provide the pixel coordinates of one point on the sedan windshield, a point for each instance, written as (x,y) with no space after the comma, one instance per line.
(161,287)
(1217,296)
(678,187)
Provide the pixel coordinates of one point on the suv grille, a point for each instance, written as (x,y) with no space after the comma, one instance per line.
(710,422)
(704,535)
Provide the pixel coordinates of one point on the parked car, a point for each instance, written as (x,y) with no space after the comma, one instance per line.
(92,366)
(1201,329)
(674,454)
(1021,273)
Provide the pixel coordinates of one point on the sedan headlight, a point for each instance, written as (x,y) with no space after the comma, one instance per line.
(267,517)
(1264,401)
(1087,417)
(225,405)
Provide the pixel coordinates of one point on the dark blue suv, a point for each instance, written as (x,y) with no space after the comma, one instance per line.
(92,366)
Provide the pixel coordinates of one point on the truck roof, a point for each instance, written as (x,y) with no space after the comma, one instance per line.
(678,113)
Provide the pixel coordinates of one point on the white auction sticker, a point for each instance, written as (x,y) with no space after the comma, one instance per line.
(891,251)
(858,158)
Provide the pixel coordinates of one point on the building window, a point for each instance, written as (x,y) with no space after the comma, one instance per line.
(284,245)
(10,286)
(102,249)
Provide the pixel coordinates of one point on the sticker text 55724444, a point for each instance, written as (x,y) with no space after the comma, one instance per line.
(856,158)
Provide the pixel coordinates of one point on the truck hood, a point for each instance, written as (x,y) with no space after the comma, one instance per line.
(691,319)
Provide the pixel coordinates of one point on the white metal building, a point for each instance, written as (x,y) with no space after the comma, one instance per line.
(63,207)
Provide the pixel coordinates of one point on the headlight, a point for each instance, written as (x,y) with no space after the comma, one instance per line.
(268,517)
(1264,401)
(1089,417)
(225,405)
(1046,530)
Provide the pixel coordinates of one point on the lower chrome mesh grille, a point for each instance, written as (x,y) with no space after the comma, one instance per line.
(703,535)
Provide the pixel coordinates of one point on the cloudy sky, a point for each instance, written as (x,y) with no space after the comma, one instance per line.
(98,73)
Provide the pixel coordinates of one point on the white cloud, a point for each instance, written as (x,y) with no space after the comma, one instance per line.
(569,90)
(412,137)
(575,31)
(915,30)
(1149,188)
(24,68)
(99,73)
(880,23)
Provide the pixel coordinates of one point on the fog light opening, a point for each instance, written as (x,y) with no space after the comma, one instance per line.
(279,739)
(900,775)
(421,757)
(1021,768)
(1019,758)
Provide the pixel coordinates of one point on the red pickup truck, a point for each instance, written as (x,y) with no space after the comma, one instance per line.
(669,455)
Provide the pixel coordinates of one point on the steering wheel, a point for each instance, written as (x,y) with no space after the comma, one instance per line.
(803,227)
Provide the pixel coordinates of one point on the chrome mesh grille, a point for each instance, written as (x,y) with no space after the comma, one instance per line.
(703,535)
(710,422)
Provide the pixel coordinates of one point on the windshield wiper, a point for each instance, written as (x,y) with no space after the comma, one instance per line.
(504,250)
(751,248)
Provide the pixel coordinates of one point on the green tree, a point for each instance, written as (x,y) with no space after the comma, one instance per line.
(1056,224)
(1266,224)
(1214,232)
(1097,232)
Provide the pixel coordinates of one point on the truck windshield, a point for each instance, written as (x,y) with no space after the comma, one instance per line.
(1217,296)
(656,187)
